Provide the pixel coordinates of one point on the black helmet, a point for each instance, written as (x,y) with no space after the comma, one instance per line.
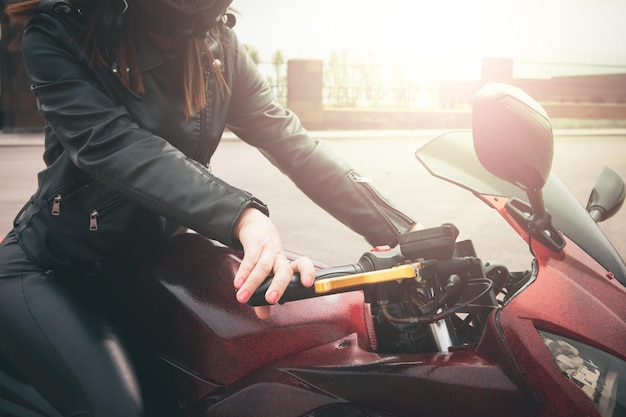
(182,17)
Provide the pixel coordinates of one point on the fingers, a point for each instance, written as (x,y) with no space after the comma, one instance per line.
(305,267)
(282,273)
(262,312)
(281,279)
(252,273)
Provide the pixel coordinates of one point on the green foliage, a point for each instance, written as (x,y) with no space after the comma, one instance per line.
(254,53)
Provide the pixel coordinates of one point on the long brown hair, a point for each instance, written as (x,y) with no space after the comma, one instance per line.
(195,48)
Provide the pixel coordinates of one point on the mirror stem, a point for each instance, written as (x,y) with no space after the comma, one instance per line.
(539,217)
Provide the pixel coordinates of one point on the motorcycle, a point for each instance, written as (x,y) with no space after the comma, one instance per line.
(424,329)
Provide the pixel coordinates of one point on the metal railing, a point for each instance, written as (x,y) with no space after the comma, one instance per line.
(413,87)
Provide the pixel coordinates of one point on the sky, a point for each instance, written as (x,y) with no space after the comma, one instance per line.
(457,31)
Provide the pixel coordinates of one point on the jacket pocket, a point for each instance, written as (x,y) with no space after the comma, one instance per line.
(76,225)
(102,210)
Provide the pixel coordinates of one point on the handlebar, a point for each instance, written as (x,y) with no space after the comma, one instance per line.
(334,280)
(371,269)
(327,277)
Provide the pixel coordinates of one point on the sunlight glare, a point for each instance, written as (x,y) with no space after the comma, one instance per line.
(446,33)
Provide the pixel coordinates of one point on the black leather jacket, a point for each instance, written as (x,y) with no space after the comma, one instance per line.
(125,170)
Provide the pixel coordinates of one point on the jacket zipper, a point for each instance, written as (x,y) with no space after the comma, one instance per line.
(93,215)
(56,205)
(105,208)
(368,190)
(93,220)
(71,185)
(203,145)
(359,179)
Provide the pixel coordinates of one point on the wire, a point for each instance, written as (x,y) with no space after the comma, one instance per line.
(448,311)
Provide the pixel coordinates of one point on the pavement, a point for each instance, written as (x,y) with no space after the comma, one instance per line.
(36,138)
(31,138)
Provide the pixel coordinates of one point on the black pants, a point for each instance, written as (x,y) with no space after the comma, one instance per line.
(61,343)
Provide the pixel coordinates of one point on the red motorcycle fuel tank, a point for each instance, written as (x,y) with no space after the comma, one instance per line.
(193,321)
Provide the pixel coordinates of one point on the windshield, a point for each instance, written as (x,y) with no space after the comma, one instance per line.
(451,157)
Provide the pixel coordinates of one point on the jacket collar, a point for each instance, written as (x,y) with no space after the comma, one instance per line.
(148,55)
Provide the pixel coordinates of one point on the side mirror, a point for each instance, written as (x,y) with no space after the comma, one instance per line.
(513,140)
(512,135)
(607,196)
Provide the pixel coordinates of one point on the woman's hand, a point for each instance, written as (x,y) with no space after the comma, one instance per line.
(264,256)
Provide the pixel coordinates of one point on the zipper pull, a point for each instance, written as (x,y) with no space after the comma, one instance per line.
(357,178)
(56,205)
(93,221)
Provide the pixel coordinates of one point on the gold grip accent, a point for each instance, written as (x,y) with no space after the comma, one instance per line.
(328,285)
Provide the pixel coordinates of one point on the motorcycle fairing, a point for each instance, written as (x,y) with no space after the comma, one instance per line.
(344,372)
(567,286)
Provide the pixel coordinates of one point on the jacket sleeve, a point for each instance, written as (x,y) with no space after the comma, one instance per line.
(258,118)
(101,139)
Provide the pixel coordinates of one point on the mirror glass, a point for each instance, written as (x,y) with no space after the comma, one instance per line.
(512,135)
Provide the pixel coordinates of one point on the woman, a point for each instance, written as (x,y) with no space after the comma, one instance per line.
(136,95)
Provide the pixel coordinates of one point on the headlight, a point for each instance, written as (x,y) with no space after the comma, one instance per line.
(601,376)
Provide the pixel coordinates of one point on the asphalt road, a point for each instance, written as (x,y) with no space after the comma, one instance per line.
(388,157)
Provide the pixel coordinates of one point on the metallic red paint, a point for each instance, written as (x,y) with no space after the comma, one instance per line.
(318,352)
(568,286)
(189,291)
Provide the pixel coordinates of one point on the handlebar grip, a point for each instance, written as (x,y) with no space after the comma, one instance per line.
(296,291)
